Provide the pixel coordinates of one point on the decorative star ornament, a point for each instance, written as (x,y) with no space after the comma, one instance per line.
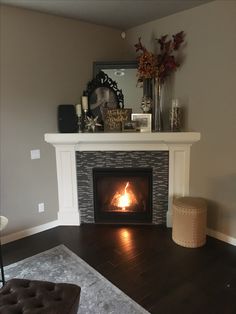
(92,123)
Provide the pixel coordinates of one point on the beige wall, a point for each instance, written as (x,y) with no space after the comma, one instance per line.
(206,84)
(45,61)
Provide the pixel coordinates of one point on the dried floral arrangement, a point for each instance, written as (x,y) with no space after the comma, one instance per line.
(162,64)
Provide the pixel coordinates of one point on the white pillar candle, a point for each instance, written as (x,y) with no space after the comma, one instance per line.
(85,102)
(78,110)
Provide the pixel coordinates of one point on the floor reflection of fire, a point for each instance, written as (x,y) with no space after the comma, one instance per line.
(126,243)
(124,199)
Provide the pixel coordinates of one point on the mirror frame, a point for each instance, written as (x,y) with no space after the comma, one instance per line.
(102,82)
(103,65)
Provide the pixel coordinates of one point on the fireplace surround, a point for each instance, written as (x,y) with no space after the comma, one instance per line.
(68,145)
(158,161)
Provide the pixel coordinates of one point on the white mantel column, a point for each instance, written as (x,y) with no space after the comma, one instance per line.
(67,185)
(179,170)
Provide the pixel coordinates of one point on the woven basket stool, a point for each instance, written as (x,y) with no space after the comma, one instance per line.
(189,222)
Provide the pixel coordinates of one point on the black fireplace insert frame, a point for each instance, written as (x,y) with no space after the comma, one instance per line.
(129,217)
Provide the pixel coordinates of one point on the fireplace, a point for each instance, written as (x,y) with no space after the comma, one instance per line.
(168,154)
(122,195)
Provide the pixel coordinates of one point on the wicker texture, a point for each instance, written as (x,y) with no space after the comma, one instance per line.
(189,222)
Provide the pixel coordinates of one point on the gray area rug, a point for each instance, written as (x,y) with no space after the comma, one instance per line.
(98,295)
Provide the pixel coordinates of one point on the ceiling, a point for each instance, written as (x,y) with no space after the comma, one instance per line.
(120,14)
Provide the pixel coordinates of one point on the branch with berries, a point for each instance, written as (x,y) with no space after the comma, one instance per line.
(147,62)
(160,65)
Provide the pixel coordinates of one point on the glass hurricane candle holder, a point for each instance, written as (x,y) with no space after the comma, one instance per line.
(176,119)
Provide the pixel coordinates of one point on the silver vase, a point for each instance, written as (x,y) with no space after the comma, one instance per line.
(157,114)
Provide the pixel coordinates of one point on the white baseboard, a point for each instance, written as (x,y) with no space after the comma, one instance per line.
(221,236)
(28,232)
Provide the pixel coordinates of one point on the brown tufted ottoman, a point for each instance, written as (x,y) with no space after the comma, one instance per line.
(22,296)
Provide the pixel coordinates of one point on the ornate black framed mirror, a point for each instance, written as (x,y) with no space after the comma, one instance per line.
(124,73)
(103,93)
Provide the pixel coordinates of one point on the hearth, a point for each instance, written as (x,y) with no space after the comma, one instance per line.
(122,195)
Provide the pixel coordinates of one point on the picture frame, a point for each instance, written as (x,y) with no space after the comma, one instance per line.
(130,126)
(103,94)
(113,119)
(144,121)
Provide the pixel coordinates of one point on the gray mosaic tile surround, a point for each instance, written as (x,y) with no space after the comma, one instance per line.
(158,160)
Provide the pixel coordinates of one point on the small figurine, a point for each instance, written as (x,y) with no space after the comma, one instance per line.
(91,123)
(146,104)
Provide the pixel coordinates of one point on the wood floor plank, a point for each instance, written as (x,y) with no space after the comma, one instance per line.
(146,264)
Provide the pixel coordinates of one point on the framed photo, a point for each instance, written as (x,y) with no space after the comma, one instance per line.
(113,119)
(130,126)
(144,121)
(103,94)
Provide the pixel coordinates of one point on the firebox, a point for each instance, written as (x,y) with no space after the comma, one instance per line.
(122,195)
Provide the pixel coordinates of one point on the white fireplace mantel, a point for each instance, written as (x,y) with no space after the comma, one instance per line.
(66,144)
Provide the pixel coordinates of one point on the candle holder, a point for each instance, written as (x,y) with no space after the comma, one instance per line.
(80,129)
(85,120)
(176,119)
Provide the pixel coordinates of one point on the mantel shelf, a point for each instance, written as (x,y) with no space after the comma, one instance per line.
(119,138)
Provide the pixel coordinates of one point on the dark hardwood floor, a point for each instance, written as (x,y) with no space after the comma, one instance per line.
(147,265)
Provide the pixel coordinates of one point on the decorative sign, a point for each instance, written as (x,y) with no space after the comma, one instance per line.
(113,119)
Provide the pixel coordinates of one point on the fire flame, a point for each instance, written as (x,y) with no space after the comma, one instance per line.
(124,199)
